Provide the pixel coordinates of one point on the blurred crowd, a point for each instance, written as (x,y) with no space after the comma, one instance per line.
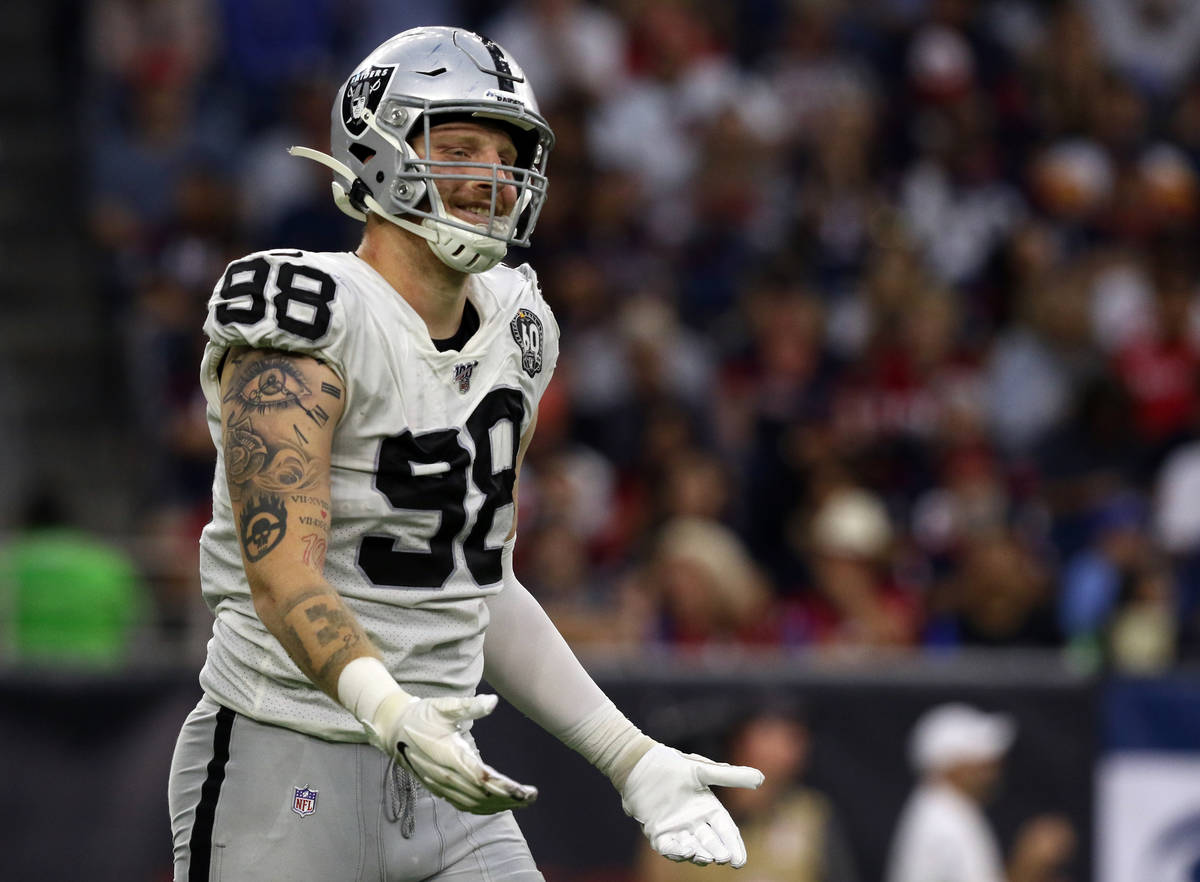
(880,319)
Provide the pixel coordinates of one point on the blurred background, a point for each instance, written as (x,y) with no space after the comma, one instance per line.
(878,389)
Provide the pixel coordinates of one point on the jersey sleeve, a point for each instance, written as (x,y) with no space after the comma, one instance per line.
(276,300)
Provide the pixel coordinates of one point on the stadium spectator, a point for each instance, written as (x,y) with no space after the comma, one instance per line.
(1041,357)
(69,599)
(954,196)
(1118,595)
(139,162)
(126,36)
(264,51)
(790,827)
(1094,453)
(854,602)
(1158,367)
(1154,42)
(707,589)
(1176,530)
(270,183)
(957,751)
(578,49)
(997,594)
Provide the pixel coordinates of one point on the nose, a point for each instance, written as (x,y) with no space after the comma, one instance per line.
(506,189)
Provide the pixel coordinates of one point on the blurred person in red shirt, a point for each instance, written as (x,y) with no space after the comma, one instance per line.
(853,601)
(1159,367)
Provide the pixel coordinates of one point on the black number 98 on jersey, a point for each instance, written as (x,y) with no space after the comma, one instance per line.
(428,473)
(303,295)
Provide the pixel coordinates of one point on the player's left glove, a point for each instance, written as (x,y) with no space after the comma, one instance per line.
(668,793)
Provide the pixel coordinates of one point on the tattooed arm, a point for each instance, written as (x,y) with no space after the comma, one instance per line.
(278,413)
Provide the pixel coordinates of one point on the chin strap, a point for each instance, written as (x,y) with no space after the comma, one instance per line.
(359,190)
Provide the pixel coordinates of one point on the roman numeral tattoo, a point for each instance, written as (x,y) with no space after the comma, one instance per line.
(318,415)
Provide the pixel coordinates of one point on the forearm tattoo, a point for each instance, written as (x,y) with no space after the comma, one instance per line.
(320,634)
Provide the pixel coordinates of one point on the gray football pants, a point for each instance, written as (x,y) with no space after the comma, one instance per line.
(243,809)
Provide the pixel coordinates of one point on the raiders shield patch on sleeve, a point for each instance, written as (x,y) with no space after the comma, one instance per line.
(527,331)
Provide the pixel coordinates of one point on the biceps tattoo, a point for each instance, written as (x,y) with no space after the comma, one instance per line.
(276,384)
(245,455)
(272,467)
(267,384)
(264,468)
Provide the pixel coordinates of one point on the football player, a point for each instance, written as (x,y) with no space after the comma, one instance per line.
(370,411)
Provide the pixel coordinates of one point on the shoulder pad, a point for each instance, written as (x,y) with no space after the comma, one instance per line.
(281,299)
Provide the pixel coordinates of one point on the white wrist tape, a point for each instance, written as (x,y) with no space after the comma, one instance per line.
(607,740)
(364,684)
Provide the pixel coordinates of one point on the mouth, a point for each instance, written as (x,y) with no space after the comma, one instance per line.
(481,216)
(476,215)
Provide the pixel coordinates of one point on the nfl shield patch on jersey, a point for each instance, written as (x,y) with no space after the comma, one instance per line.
(304,801)
(527,331)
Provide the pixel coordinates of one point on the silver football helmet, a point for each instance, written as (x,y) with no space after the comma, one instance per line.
(400,91)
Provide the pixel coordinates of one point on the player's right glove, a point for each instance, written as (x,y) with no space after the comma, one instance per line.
(428,737)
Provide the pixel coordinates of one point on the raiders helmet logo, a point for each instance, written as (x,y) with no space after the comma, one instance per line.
(364,89)
(527,331)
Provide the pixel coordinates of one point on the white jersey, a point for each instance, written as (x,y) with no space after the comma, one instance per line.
(943,837)
(422,473)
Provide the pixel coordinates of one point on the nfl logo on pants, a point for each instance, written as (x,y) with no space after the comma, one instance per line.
(304,801)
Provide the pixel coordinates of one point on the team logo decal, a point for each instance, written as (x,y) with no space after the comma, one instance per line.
(364,89)
(527,331)
(462,375)
(304,801)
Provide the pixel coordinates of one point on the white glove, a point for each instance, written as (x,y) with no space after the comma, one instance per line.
(427,737)
(668,793)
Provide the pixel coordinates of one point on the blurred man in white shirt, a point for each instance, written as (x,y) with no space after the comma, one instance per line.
(943,834)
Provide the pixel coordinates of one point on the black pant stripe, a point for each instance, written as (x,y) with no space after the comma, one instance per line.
(206,812)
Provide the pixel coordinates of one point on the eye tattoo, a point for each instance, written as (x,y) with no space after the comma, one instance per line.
(268,384)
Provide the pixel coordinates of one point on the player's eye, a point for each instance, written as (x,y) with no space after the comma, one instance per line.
(267,385)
